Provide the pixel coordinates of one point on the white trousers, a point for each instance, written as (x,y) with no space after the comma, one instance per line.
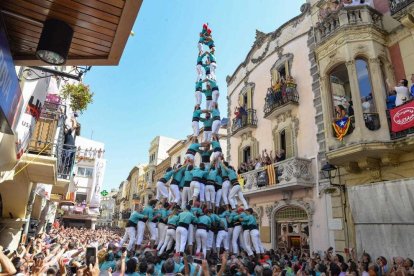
(236,234)
(257,245)
(162,232)
(236,191)
(218,197)
(215,155)
(200,47)
(230,237)
(199,70)
(130,233)
(213,67)
(216,95)
(162,191)
(185,197)
(222,237)
(189,156)
(225,188)
(152,227)
(195,188)
(216,126)
(246,236)
(209,104)
(201,239)
(180,239)
(210,239)
(175,191)
(190,235)
(168,242)
(202,192)
(198,97)
(207,136)
(140,232)
(210,193)
(196,129)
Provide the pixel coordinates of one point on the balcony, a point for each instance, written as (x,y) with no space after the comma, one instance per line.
(47,159)
(291,174)
(398,6)
(244,123)
(345,18)
(279,102)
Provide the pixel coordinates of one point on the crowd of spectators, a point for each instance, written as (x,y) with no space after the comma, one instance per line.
(62,252)
(261,161)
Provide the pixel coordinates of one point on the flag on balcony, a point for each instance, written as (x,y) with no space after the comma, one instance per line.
(271,175)
(341,127)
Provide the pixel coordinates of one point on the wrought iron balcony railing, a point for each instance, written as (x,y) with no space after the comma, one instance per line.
(275,100)
(290,174)
(399,5)
(244,120)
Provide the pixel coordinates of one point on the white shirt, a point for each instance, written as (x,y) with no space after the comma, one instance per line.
(403,95)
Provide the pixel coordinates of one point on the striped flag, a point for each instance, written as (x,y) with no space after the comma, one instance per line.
(271,174)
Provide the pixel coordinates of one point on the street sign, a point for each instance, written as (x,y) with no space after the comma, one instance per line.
(104,193)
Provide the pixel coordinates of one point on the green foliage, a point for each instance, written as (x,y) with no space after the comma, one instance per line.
(79,95)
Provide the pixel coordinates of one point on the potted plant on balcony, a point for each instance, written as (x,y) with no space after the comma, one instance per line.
(79,96)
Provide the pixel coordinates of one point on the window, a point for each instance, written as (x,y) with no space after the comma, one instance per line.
(369,109)
(179,160)
(341,92)
(80,197)
(246,96)
(246,154)
(284,143)
(85,172)
(281,69)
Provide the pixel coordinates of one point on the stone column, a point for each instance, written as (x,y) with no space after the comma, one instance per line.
(356,96)
(379,96)
(93,225)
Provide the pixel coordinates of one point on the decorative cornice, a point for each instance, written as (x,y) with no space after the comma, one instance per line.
(261,37)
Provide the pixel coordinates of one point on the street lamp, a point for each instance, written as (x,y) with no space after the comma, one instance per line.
(330,171)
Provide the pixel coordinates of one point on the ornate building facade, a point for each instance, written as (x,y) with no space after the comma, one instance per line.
(271,108)
(359,54)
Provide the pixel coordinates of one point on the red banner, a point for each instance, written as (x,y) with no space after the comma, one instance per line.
(402,117)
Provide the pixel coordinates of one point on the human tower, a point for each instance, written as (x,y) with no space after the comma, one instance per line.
(199,204)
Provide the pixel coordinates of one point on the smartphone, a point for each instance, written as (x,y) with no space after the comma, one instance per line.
(197,261)
(218,267)
(90,256)
(124,249)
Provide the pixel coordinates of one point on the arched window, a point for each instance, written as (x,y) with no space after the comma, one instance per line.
(369,109)
(341,92)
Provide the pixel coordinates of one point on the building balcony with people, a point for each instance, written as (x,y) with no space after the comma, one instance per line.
(277,157)
(362,84)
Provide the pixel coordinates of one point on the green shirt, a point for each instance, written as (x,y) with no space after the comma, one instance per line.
(173,220)
(186,217)
(204,219)
(197,113)
(207,123)
(135,217)
(149,212)
(197,172)
(212,174)
(208,92)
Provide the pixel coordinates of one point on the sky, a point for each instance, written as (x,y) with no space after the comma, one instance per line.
(151,92)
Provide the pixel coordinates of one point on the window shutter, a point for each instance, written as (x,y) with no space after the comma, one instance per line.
(241,100)
(287,68)
(276,138)
(289,142)
(249,97)
(275,76)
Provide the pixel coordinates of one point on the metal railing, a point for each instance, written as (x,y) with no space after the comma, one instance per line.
(247,119)
(274,99)
(292,171)
(398,5)
(89,154)
(346,17)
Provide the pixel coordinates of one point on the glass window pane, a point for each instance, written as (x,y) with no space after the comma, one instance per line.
(365,88)
(81,171)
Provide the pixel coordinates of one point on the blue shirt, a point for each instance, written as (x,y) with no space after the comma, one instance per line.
(178,175)
(197,172)
(212,175)
(212,57)
(208,92)
(168,175)
(197,113)
(195,147)
(173,220)
(412,90)
(219,180)
(204,219)
(207,122)
(391,101)
(186,217)
(188,175)
(149,212)
(135,217)
(196,211)
(215,145)
(107,265)
(199,85)
(213,83)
